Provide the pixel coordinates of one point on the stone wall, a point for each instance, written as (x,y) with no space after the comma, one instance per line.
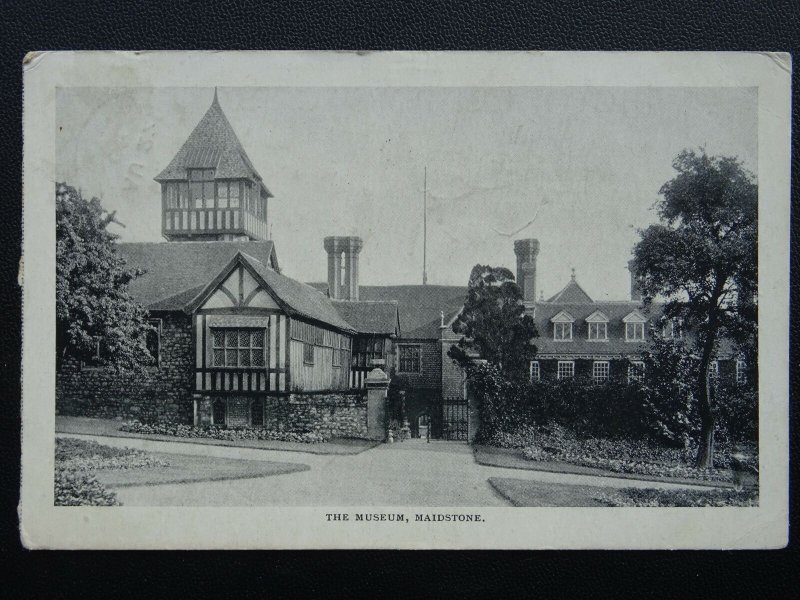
(332,414)
(162,393)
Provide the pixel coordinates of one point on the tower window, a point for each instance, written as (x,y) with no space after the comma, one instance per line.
(201,188)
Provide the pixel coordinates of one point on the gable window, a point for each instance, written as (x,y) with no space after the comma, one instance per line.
(600,370)
(741,371)
(634,332)
(636,371)
(153,341)
(536,373)
(598,332)
(308,354)
(562,332)
(409,359)
(566,369)
(238,347)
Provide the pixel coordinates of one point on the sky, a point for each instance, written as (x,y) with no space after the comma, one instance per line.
(587,162)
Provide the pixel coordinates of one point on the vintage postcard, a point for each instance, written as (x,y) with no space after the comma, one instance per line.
(405,300)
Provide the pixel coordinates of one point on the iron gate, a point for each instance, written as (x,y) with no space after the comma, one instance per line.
(451,420)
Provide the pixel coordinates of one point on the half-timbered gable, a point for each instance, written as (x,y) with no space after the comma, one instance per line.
(257,331)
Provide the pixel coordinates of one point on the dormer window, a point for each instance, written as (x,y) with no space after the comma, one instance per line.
(562,332)
(634,332)
(598,327)
(634,326)
(562,326)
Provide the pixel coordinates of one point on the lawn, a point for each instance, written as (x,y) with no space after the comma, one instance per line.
(84,470)
(523,492)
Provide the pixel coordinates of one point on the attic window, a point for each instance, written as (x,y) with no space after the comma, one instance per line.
(562,326)
(598,332)
(562,332)
(634,332)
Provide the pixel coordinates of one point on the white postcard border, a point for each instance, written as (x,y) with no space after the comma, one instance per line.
(46,526)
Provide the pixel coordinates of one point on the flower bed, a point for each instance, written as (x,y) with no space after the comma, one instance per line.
(683,498)
(642,457)
(222,433)
(74,484)
(82,455)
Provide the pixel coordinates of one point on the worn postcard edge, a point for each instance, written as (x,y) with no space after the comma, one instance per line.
(46,526)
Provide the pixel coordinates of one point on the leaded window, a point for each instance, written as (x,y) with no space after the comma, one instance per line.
(238,347)
(410,359)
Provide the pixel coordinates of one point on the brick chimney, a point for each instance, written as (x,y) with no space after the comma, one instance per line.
(343,266)
(527,251)
(636,291)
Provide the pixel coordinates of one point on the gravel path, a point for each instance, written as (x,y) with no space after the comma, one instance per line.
(411,473)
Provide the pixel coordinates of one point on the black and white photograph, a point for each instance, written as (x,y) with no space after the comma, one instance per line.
(433,299)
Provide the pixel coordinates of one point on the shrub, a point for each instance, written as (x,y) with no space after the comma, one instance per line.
(78,488)
(684,497)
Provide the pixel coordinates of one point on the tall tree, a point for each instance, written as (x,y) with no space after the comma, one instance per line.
(93,305)
(493,323)
(701,259)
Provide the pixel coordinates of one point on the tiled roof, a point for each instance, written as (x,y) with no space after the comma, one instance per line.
(370,316)
(572,293)
(420,306)
(175,269)
(213,144)
(580,345)
(301,298)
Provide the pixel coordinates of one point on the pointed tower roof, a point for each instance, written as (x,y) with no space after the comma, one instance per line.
(572,293)
(213,144)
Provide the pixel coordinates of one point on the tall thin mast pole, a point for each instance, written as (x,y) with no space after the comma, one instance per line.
(425,228)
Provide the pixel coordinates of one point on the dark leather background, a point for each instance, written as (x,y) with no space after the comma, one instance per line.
(445,25)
